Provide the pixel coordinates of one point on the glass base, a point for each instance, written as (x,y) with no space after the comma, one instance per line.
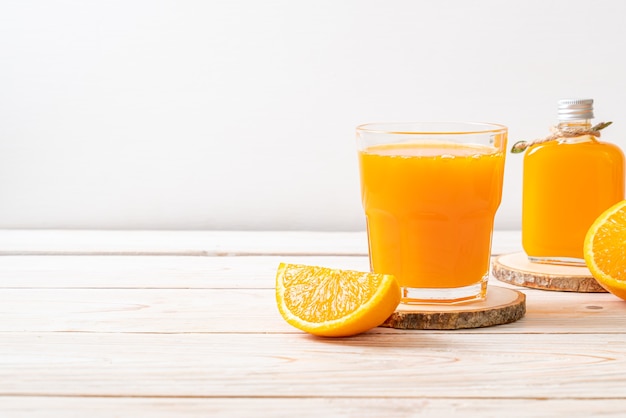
(564,261)
(471,293)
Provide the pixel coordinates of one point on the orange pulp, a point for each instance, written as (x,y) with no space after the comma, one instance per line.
(430,208)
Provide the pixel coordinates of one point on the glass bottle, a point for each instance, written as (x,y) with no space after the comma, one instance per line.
(567,184)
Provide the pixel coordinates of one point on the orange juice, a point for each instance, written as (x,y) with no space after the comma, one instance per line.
(430,208)
(567,185)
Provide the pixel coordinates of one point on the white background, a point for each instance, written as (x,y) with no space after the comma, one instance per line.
(240,114)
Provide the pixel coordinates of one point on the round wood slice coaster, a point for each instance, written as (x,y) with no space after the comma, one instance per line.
(501,306)
(516,269)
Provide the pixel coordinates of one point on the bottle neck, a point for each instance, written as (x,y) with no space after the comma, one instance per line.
(580,123)
(576,124)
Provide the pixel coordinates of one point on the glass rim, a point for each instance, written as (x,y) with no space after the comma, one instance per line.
(395,128)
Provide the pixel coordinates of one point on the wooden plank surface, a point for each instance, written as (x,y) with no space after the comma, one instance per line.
(155,323)
(154,272)
(425,365)
(193,243)
(305,407)
(202,243)
(249,310)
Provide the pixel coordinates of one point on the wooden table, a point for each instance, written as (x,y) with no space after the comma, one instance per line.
(113,323)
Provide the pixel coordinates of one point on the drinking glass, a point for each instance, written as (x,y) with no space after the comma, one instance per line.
(430,191)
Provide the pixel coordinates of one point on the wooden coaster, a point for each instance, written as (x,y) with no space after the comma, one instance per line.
(501,306)
(516,269)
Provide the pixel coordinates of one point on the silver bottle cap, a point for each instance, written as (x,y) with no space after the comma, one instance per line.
(575,109)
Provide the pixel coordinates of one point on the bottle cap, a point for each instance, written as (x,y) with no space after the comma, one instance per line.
(575,109)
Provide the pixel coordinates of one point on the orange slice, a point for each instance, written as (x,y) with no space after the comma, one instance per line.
(605,249)
(334,303)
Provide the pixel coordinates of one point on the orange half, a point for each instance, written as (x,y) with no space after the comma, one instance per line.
(605,249)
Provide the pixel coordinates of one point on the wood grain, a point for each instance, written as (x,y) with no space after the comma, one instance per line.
(200,310)
(185,324)
(516,269)
(304,407)
(501,306)
(418,364)
(202,243)
(182,243)
(156,272)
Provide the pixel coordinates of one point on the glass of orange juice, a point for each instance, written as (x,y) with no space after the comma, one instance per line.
(430,192)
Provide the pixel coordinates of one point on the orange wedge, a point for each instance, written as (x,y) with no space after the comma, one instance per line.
(605,249)
(334,303)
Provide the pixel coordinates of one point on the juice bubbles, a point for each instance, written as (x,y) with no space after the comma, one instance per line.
(567,185)
(430,207)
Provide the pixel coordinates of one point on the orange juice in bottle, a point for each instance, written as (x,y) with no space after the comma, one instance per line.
(567,183)
(430,207)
